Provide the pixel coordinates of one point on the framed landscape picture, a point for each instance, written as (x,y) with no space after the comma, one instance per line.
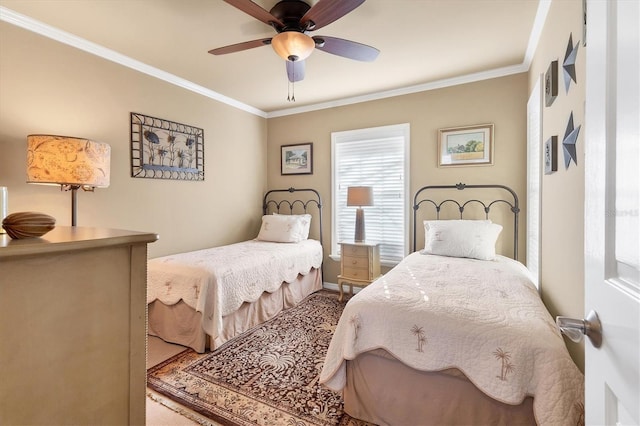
(296,159)
(466,146)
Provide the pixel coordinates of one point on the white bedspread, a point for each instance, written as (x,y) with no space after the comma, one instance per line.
(216,281)
(483,317)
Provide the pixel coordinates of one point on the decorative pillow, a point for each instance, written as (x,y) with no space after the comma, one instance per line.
(305,219)
(281,229)
(474,239)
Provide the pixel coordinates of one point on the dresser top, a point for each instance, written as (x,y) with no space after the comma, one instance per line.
(70,238)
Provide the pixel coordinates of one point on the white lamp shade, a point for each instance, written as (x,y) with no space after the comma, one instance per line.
(67,160)
(359,196)
(293,45)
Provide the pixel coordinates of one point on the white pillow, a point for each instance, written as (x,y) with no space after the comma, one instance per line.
(305,219)
(281,229)
(474,239)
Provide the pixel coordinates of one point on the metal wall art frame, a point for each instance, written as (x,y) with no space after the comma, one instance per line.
(466,146)
(296,159)
(163,149)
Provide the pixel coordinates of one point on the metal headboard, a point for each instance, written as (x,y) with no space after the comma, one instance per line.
(514,206)
(312,198)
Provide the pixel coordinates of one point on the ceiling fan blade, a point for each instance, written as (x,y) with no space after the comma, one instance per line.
(326,11)
(295,70)
(250,8)
(346,48)
(241,46)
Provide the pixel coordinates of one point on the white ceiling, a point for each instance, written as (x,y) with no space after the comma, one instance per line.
(422,43)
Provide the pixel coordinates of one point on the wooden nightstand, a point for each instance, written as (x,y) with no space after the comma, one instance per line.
(359,265)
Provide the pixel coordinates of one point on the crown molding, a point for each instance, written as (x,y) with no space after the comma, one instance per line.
(28,23)
(536,31)
(534,39)
(439,84)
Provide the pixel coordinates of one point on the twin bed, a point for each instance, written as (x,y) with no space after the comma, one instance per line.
(454,334)
(202,299)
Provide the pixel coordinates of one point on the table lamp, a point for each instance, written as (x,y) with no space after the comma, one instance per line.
(359,196)
(72,163)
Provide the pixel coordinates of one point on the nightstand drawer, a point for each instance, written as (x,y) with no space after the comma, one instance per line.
(355,251)
(356,273)
(355,262)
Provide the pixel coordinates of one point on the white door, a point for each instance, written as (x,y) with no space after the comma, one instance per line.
(612,233)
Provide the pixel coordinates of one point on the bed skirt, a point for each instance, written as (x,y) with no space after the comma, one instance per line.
(391,393)
(181,324)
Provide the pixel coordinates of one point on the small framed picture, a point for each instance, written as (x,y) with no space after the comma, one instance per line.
(551,155)
(296,159)
(551,83)
(466,146)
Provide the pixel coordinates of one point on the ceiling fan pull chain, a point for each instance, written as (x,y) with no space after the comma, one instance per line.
(291,91)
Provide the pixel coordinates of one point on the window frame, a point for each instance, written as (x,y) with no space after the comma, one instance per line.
(359,135)
(534,181)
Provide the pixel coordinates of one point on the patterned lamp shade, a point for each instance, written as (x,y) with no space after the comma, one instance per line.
(73,163)
(68,161)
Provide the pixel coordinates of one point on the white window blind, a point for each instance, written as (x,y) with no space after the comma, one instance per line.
(378,158)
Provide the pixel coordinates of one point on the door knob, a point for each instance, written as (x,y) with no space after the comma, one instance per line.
(574,328)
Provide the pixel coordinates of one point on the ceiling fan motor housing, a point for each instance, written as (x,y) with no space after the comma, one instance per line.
(290,12)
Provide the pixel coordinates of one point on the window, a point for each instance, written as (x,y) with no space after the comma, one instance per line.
(376,157)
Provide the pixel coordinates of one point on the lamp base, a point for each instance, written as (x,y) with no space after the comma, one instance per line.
(359,234)
(74,206)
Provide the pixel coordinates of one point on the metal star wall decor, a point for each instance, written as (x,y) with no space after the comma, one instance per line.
(569,143)
(569,64)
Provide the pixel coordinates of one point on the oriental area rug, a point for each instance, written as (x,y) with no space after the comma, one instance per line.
(266,376)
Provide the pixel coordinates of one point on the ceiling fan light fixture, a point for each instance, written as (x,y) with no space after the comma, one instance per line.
(293,45)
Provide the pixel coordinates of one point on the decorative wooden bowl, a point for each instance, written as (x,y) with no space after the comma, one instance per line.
(28,224)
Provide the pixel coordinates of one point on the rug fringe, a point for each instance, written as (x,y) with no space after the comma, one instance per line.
(182,410)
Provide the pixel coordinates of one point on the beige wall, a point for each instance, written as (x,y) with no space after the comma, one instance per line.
(501,101)
(562,226)
(47,87)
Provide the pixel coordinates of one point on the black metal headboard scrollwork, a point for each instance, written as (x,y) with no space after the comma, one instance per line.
(421,197)
(276,200)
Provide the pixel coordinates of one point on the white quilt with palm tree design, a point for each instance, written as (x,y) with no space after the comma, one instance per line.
(484,318)
(217,281)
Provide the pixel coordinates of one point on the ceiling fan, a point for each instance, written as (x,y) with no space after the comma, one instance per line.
(293,20)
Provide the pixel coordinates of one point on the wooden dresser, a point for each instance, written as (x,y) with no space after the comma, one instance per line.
(359,265)
(73,327)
